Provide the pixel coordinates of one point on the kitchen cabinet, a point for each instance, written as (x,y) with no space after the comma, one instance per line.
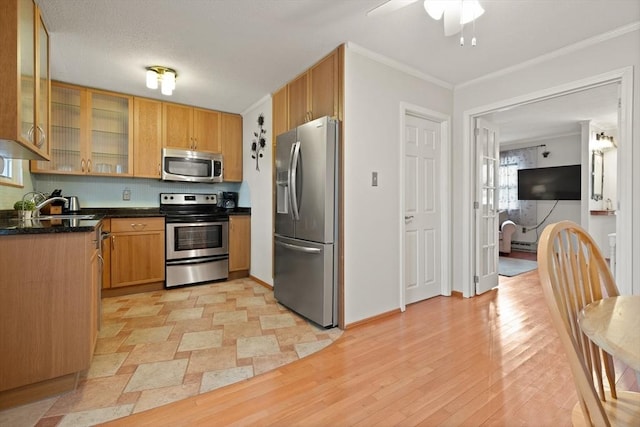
(47,313)
(298,100)
(147,138)
(315,93)
(190,128)
(24,73)
(239,243)
(231,137)
(95,269)
(280,119)
(106,254)
(137,251)
(91,132)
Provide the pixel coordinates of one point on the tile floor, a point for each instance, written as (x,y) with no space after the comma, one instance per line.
(159,347)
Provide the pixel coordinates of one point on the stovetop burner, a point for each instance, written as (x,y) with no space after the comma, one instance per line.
(186,207)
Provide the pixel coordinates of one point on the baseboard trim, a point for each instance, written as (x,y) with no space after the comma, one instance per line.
(38,391)
(134,289)
(372,319)
(261,282)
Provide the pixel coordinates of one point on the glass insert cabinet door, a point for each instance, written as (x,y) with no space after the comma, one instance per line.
(66,135)
(90,132)
(110,133)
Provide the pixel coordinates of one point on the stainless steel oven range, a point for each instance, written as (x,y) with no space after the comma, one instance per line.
(197,239)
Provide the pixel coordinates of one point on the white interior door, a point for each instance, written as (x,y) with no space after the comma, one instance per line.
(422,231)
(486,205)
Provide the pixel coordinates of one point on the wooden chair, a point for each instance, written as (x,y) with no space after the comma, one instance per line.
(573,273)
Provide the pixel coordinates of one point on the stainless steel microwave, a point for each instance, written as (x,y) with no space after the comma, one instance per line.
(191,166)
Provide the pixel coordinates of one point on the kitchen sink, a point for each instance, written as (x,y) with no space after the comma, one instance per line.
(45,217)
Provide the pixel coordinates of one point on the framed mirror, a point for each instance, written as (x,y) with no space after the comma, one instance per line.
(597,175)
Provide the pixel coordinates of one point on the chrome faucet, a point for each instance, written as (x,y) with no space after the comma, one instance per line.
(44,203)
(36,196)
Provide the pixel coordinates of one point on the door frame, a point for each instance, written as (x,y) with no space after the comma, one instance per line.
(445,189)
(623,76)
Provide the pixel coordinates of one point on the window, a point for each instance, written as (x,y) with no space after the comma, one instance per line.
(10,172)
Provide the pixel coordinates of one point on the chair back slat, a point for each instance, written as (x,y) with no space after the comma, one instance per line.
(573,274)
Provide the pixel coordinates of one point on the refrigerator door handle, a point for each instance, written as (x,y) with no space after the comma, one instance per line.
(293,188)
(299,248)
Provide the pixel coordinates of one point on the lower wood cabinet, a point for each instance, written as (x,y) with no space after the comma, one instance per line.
(136,251)
(48,313)
(239,243)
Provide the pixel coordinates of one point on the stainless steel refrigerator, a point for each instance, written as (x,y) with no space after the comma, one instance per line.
(306,221)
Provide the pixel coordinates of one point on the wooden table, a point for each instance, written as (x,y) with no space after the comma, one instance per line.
(614,325)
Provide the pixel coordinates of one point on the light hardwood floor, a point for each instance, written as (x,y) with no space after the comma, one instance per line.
(490,360)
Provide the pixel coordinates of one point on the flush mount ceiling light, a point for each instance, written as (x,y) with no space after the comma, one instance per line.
(456,13)
(163,77)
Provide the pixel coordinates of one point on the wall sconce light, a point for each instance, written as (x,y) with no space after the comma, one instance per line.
(602,142)
(162,76)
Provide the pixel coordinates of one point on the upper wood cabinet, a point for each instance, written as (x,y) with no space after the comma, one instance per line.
(24,73)
(91,132)
(147,137)
(280,115)
(190,128)
(299,106)
(231,138)
(315,93)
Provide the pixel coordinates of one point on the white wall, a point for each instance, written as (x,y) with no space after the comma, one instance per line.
(256,190)
(9,195)
(593,59)
(372,215)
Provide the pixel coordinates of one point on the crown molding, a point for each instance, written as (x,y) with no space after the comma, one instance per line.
(397,65)
(255,105)
(555,54)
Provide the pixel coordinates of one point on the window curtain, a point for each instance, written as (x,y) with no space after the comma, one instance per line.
(522,212)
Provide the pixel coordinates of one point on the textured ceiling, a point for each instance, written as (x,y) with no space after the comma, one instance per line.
(231,53)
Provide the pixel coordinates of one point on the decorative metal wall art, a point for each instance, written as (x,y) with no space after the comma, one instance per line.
(258,143)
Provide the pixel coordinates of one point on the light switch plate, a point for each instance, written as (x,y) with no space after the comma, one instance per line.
(374,179)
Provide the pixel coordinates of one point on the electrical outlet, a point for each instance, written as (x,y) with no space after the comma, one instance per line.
(126,194)
(524,229)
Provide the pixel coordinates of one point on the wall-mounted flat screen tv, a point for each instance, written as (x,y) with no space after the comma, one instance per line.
(554,183)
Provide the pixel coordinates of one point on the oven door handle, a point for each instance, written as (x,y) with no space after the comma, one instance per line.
(197,260)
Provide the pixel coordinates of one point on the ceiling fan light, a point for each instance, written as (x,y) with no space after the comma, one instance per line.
(152,79)
(435,8)
(471,10)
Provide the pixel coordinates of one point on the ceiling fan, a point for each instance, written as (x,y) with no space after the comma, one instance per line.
(456,12)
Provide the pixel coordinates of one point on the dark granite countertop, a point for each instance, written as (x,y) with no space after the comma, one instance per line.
(11,225)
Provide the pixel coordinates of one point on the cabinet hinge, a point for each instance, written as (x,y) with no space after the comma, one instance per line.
(476,279)
(476,131)
(476,205)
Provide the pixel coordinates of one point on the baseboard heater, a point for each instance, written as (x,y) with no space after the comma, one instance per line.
(524,246)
